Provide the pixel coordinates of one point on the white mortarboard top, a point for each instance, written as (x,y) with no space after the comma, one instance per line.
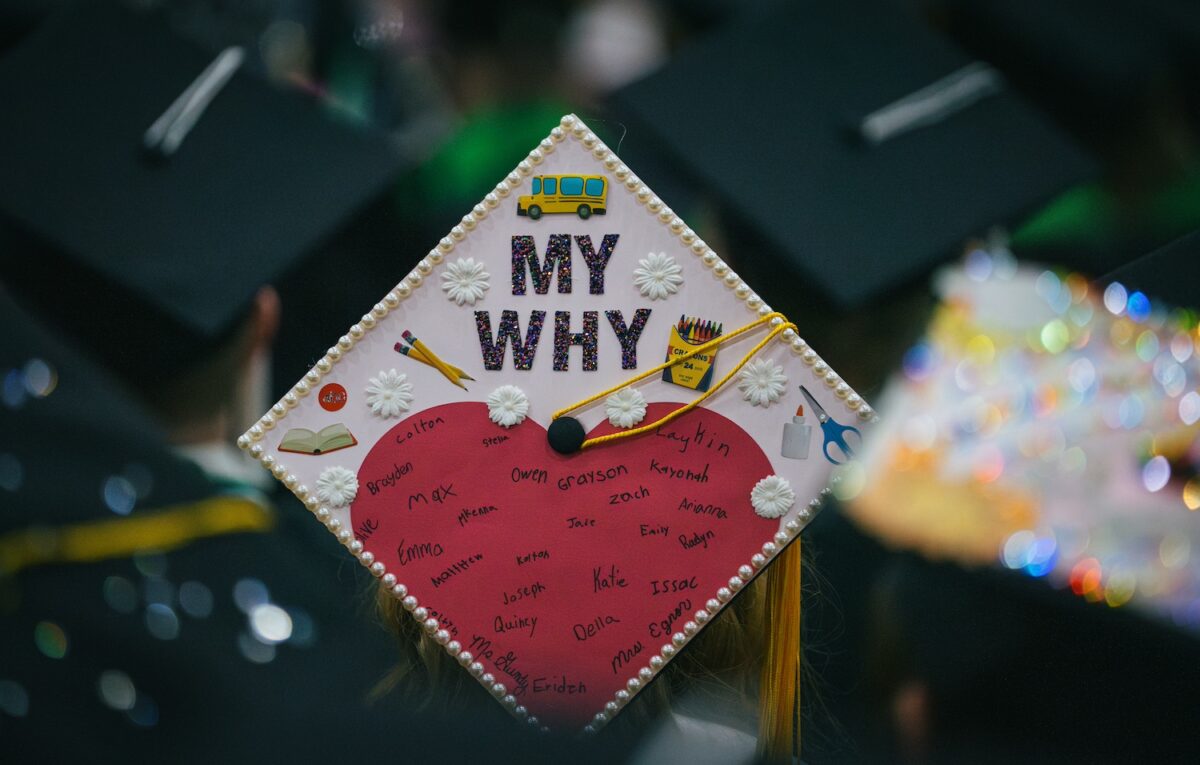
(565,572)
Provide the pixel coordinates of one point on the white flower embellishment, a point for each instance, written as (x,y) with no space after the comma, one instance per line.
(625,408)
(659,276)
(337,486)
(772,497)
(388,394)
(507,406)
(762,382)
(465,281)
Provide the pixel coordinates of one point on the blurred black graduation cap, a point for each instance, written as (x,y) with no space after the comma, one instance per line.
(1170,273)
(1020,672)
(1098,65)
(149,260)
(860,146)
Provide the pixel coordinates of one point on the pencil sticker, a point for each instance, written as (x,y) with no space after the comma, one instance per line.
(417,350)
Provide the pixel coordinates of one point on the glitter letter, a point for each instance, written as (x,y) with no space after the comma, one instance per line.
(596,261)
(628,336)
(558,253)
(510,330)
(564,339)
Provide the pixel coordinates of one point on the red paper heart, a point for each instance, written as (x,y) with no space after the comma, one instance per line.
(476,521)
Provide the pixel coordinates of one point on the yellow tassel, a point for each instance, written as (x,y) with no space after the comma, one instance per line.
(779,696)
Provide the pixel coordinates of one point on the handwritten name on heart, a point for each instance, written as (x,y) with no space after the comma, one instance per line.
(562,574)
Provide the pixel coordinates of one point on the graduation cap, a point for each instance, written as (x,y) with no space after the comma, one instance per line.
(1099,66)
(151,188)
(882,147)
(1049,425)
(567,440)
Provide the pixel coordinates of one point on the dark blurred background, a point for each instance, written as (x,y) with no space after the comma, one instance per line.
(159,599)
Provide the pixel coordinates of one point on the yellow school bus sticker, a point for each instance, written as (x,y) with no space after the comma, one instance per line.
(582,195)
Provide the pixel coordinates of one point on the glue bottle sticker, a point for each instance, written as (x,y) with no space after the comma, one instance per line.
(797,436)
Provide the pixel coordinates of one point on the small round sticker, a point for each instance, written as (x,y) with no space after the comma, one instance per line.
(332,397)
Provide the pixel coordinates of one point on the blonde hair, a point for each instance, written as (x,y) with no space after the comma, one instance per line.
(720,665)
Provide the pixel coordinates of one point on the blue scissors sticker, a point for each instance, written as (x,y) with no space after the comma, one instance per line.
(844,439)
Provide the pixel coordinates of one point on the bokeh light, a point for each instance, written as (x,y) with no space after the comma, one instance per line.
(254,650)
(1130,411)
(270,623)
(1170,375)
(249,593)
(144,713)
(1121,332)
(1081,375)
(118,494)
(1015,552)
(12,474)
(1042,557)
(1174,551)
(1155,473)
(1081,315)
(304,629)
(1119,588)
(116,690)
(919,361)
(1073,461)
(1085,579)
(1182,347)
(978,265)
(1115,297)
(1189,408)
(158,590)
(1138,306)
(120,594)
(150,563)
(50,639)
(14,699)
(1055,336)
(1047,286)
(1191,494)
(1147,345)
(161,621)
(981,349)
(195,600)
(13,391)
(40,378)
(989,464)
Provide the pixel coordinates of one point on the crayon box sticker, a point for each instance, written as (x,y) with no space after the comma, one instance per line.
(697,372)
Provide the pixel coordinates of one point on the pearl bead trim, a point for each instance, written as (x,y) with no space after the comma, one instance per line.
(570,128)
(787,533)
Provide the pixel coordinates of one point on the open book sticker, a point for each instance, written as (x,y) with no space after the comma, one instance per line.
(328,439)
(560,508)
